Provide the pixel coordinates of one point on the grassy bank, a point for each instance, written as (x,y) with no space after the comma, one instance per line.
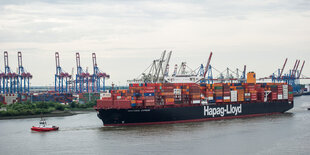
(37,108)
(52,114)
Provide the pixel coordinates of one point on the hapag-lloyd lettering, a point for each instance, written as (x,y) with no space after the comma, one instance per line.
(222,111)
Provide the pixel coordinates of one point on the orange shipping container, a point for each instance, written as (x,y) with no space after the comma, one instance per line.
(169,100)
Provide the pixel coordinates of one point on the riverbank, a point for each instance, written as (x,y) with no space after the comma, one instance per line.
(52,114)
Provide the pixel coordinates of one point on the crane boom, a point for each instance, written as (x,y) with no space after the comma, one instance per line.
(57,59)
(6,62)
(244,71)
(160,65)
(283,68)
(94,62)
(20,62)
(294,68)
(167,63)
(78,65)
(301,69)
(294,73)
(207,66)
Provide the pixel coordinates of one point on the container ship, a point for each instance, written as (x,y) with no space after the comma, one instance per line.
(167,102)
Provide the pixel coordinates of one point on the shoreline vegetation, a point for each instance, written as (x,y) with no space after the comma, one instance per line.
(43,109)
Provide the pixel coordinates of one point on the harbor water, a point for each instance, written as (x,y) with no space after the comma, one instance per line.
(287,133)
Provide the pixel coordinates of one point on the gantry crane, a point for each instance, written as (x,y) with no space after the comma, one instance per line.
(292,77)
(82,78)
(157,71)
(98,76)
(23,80)
(61,77)
(10,78)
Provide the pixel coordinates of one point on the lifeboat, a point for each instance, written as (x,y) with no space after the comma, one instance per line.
(44,127)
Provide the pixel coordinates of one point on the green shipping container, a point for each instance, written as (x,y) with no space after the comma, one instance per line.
(218,87)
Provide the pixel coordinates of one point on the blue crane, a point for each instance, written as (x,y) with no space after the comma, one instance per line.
(98,76)
(61,77)
(82,78)
(23,80)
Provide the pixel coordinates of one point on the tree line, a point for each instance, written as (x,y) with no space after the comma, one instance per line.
(41,107)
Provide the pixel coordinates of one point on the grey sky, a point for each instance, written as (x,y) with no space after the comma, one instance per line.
(128,35)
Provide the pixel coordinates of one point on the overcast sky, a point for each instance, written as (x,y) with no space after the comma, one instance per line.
(127,35)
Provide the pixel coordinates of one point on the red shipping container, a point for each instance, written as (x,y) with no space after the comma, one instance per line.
(149,87)
(253,96)
(149,97)
(149,91)
(219,101)
(149,103)
(274,96)
(139,101)
(169,103)
(149,100)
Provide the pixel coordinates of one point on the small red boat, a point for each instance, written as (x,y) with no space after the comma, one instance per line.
(44,127)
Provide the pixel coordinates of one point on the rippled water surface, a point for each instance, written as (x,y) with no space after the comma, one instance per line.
(287,133)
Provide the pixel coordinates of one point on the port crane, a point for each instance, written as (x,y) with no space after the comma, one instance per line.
(10,78)
(292,77)
(157,71)
(61,77)
(23,80)
(98,76)
(231,76)
(82,77)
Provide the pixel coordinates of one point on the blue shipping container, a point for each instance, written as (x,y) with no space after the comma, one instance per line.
(149,94)
(219,97)
(136,94)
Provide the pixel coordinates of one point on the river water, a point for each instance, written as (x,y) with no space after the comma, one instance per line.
(287,133)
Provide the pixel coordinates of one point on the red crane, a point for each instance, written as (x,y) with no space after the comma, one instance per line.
(207,66)
(302,67)
(283,68)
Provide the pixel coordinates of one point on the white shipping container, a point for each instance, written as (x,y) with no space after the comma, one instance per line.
(308,88)
(247,94)
(233,99)
(104,95)
(233,92)
(10,98)
(233,96)
(285,92)
(75,98)
(177,91)
(280,97)
(196,101)
(210,98)
(118,97)
(226,97)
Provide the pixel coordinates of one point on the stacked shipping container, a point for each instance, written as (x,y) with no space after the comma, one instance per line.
(158,94)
